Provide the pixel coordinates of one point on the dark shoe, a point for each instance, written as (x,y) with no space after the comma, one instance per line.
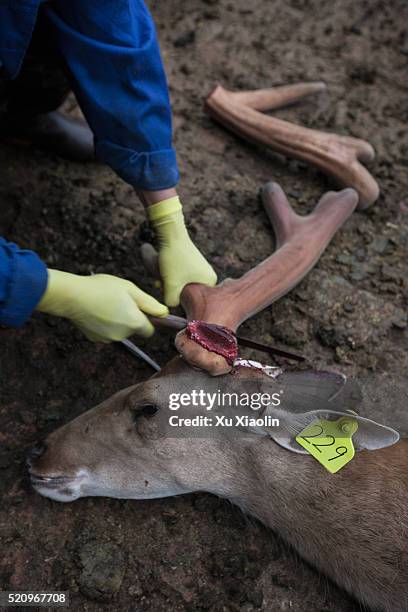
(67,137)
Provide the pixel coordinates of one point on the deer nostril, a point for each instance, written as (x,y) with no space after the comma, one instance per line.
(35,452)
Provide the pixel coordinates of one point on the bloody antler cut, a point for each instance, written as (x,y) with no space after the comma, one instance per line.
(337,156)
(300,240)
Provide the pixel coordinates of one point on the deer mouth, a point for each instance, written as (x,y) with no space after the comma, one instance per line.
(51,482)
(59,488)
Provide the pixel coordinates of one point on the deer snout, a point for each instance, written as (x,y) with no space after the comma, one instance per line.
(51,472)
(35,452)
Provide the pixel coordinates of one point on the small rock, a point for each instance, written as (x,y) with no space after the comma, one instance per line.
(294,194)
(330,336)
(170,517)
(185,39)
(294,334)
(363,73)
(337,280)
(379,244)
(358,273)
(184,69)
(302,295)
(135,590)
(390,273)
(344,259)
(370,268)
(400,321)
(103,568)
(211,15)
(342,356)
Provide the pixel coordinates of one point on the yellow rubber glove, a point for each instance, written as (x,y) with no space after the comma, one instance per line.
(103,307)
(180,262)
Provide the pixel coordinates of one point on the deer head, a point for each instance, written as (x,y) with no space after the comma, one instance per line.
(142,443)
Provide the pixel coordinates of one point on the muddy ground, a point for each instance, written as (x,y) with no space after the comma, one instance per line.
(197,552)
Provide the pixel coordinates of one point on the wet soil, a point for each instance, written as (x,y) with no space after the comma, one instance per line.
(197,552)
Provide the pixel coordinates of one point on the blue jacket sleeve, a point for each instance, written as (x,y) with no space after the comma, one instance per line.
(23,280)
(112,54)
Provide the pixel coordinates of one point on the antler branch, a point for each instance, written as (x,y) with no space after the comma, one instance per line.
(338,156)
(300,241)
(275,97)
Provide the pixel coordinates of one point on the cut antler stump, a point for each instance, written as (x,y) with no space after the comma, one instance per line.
(337,156)
(300,240)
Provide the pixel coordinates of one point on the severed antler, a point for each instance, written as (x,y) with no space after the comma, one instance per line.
(300,240)
(338,156)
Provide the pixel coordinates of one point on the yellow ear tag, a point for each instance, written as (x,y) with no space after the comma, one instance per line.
(330,442)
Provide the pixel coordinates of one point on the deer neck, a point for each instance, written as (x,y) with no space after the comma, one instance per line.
(258,476)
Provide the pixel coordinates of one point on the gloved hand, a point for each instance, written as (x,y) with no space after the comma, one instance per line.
(103,307)
(180,262)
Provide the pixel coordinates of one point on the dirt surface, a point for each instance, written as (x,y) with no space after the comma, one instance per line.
(197,552)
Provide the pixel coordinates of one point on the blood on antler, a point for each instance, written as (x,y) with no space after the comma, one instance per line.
(300,240)
(337,156)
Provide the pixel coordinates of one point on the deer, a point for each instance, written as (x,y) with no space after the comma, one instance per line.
(351,526)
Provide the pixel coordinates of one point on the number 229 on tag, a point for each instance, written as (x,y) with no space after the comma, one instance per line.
(330,442)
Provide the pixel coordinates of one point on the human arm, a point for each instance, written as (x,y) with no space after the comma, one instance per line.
(113,60)
(104,307)
(111,51)
(23,279)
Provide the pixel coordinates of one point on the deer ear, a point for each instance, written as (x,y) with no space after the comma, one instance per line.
(310,395)
(306,390)
(369,435)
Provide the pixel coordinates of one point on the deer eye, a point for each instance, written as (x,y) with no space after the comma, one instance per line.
(146,410)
